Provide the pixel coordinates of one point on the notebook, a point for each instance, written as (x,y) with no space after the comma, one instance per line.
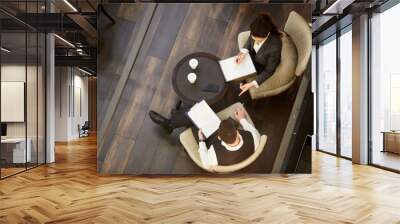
(204,118)
(233,70)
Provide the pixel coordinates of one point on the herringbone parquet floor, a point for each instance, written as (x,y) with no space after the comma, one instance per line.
(70,191)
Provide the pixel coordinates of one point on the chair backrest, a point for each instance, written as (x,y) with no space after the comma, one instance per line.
(300,32)
(230,111)
(85,126)
(242,38)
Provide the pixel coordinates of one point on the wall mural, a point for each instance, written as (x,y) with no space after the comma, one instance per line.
(204,88)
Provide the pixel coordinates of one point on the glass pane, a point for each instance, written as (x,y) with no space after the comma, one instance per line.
(22,90)
(327,96)
(346,94)
(13,87)
(31,97)
(385,84)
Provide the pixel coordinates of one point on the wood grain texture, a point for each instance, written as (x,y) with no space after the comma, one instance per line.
(71,191)
(115,72)
(133,144)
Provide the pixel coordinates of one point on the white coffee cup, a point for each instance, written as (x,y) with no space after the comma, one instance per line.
(192,77)
(193,63)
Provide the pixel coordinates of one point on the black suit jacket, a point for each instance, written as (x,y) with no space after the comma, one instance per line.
(267,58)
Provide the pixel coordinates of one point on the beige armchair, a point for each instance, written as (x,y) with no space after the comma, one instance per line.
(296,53)
(191,145)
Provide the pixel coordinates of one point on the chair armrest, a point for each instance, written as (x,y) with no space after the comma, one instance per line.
(191,146)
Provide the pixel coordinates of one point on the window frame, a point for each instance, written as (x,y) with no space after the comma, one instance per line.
(334,37)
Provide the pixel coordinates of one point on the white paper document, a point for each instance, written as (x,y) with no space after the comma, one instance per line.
(204,118)
(233,70)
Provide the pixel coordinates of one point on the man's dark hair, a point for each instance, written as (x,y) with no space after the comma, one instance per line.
(227,131)
(262,25)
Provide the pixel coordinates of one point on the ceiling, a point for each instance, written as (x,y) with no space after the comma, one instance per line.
(72,20)
(75,21)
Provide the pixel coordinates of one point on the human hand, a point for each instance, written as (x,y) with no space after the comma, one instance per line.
(240,113)
(239,58)
(201,135)
(245,87)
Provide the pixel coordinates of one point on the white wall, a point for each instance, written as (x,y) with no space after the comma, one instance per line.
(71,102)
(13,73)
(61,103)
(80,111)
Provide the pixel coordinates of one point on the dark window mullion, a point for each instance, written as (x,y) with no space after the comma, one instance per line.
(369,100)
(26,88)
(317,96)
(338,74)
(37,91)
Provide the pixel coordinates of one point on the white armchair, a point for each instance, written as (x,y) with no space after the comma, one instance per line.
(192,147)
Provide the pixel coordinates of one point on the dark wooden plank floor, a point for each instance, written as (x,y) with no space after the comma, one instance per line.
(132,144)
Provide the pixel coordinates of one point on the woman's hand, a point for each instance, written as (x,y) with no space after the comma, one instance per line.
(245,87)
(201,136)
(240,57)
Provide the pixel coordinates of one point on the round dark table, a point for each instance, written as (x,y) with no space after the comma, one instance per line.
(208,73)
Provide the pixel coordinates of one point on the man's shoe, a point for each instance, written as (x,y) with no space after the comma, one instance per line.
(160,120)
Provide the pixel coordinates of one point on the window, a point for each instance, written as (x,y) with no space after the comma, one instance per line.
(346,93)
(327,96)
(385,88)
(22,77)
(334,109)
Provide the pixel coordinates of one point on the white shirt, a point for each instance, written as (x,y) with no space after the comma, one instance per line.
(209,158)
(256,48)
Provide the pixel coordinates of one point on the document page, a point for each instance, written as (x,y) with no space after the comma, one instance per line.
(204,118)
(233,70)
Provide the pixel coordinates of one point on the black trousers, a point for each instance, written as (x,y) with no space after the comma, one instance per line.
(179,117)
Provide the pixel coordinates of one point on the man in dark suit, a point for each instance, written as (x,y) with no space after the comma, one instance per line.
(234,141)
(264,47)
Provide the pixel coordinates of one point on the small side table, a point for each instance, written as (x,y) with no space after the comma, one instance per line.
(208,73)
(391,141)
